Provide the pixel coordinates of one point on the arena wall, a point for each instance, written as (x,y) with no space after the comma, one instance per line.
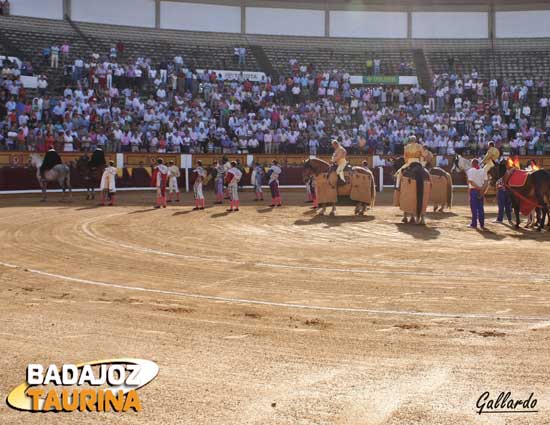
(16,173)
(139,13)
(368,24)
(52,9)
(450,24)
(200,17)
(262,20)
(533,23)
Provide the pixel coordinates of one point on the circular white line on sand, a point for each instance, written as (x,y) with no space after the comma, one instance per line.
(453,275)
(279,304)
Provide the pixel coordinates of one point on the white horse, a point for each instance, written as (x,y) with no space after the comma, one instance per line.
(60,173)
(463,164)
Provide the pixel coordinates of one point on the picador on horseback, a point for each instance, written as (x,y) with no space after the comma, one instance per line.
(51,159)
(413,204)
(490,158)
(97,160)
(90,170)
(427,159)
(414,153)
(51,169)
(339,160)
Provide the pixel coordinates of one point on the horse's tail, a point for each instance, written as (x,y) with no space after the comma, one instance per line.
(449,191)
(419,177)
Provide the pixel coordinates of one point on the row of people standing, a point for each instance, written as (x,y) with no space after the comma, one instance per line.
(227,178)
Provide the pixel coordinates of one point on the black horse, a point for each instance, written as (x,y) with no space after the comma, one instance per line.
(536,190)
(90,173)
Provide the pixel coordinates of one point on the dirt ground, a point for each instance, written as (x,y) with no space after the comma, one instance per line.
(277,316)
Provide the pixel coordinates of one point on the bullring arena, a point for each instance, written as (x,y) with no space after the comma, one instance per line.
(278,315)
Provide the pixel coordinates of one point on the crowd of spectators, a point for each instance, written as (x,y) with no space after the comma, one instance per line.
(140,106)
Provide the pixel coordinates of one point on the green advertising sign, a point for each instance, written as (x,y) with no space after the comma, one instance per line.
(380,79)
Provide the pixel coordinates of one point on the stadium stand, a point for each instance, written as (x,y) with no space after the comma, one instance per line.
(210,50)
(511,59)
(459,120)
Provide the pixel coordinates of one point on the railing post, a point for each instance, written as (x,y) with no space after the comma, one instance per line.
(186,163)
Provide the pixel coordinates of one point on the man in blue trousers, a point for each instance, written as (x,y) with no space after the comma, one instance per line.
(477,184)
(504,201)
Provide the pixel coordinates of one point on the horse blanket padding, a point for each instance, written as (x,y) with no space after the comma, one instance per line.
(518,178)
(343,189)
(357,188)
(361,186)
(442,184)
(406,197)
(327,192)
(439,190)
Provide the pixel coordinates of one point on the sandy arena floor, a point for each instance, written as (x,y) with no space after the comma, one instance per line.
(277,316)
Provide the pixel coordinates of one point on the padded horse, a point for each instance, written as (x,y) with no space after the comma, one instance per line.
(441,195)
(359,186)
(414,193)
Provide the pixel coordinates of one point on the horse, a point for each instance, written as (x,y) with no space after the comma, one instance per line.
(359,187)
(60,173)
(91,176)
(461,164)
(417,173)
(441,195)
(534,193)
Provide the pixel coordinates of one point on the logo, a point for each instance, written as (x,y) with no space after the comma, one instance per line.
(96,386)
(505,403)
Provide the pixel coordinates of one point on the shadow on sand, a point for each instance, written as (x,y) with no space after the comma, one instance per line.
(531,235)
(440,215)
(333,221)
(184,212)
(489,234)
(89,207)
(222,214)
(418,231)
(142,211)
(267,209)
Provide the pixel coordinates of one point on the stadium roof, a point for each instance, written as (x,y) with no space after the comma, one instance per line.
(523,4)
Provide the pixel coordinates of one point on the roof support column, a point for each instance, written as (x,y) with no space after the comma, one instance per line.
(67,8)
(327,19)
(157,14)
(243,17)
